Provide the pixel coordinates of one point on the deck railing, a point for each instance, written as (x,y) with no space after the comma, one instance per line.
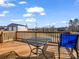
(29,34)
(7,36)
(19,35)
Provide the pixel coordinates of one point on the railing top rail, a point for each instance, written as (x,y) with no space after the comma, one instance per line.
(39,32)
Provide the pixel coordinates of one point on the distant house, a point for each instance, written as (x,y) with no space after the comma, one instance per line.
(16,27)
(2,27)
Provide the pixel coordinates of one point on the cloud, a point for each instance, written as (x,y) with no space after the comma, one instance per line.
(30,11)
(64,22)
(47,24)
(6,3)
(22,2)
(42,13)
(2,15)
(36,10)
(10,4)
(27,15)
(5,12)
(2,2)
(16,20)
(72,18)
(30,20)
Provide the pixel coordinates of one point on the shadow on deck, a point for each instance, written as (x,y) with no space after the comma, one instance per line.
(14,55)
(18,50)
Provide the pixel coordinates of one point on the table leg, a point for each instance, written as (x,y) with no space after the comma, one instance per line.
(30,52)
(37,52)
(44,54)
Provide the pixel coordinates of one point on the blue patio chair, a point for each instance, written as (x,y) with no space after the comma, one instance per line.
(68,41)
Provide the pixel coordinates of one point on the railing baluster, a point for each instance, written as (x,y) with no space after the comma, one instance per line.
(29,34)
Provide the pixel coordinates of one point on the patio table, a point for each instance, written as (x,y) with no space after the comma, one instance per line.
(37,43)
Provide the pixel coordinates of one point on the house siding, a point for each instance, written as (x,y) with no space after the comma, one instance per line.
(16,27)
(22,28)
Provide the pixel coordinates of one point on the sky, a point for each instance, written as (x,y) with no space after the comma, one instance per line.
(38,13)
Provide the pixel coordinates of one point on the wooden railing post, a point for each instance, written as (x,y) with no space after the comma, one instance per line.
(1,37)
(16,35)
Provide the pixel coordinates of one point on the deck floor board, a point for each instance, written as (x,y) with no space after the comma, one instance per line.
(23,51)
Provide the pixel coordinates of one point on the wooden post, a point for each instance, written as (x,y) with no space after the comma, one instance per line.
(1,37)
(16,35)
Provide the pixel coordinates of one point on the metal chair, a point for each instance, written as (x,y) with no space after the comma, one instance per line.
(68,41)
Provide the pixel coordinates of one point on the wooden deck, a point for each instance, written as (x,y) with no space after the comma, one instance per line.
(22,50)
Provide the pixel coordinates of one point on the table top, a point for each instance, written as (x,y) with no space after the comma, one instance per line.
(38,41)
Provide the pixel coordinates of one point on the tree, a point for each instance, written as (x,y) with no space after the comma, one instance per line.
(70,23)
(74,24)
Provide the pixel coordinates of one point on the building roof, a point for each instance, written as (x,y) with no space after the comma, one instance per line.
(14,24)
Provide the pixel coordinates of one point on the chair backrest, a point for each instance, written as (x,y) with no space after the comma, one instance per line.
(68,40)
